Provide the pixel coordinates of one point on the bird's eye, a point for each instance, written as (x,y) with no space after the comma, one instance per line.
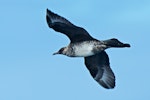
(61,50)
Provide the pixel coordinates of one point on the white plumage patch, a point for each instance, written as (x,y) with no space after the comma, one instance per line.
(107,78)
(84,49)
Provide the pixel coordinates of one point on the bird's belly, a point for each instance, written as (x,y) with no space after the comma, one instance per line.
(84,51)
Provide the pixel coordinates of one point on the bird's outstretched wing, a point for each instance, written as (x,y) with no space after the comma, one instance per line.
(60,24)
(99,68)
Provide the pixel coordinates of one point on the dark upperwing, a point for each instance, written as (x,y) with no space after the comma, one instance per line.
(60,24)
(99,67)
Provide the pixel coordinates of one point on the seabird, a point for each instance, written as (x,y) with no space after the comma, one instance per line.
(82,44)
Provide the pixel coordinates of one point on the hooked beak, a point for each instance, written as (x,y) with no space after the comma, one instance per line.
(55,53)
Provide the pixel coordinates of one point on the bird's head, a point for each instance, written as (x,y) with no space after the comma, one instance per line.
(61,51)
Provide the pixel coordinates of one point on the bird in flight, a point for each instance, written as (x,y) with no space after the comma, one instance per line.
(82,44)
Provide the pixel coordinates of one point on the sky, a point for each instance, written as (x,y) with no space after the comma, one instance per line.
(29,71)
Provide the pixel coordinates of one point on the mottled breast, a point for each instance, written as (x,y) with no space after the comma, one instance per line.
(84,49)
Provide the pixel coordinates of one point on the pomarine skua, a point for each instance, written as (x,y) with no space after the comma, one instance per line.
(82,44)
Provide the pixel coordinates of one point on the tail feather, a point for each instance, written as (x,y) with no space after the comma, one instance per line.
(115,43)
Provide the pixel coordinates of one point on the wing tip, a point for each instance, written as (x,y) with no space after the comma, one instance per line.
(48,12)
(49,17)
(107,85)
(107,80)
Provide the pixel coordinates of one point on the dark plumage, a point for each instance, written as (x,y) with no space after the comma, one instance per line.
(99,68)
(60,24)
(84,45)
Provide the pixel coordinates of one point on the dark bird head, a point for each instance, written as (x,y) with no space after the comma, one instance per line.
(61,51)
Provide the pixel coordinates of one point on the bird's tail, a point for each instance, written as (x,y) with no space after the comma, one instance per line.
(115,43)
